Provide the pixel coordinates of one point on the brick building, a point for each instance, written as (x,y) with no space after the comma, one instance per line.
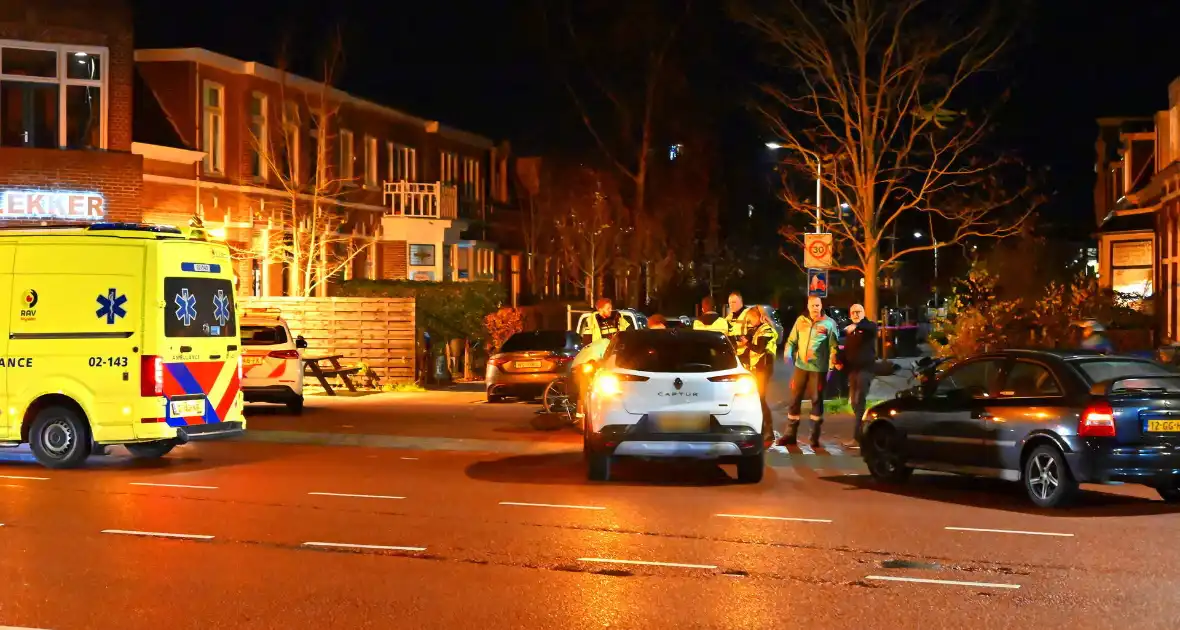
(66,69)
(407,195)
(1137,199)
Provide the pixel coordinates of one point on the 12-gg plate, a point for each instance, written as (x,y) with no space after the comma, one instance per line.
(1163,426)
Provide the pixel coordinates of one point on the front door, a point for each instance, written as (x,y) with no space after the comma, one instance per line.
(1030,399)
(950,426)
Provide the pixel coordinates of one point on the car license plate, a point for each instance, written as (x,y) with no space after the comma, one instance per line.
(1163,426)
(681,422)
(527,364)
(250,360)
(187,408)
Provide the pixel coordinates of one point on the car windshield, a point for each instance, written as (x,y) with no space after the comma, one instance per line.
(256,335)
(1100,370)
(658,351)
(533,341)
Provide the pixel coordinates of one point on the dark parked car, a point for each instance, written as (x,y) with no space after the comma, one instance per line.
(1050,420)
(528,362)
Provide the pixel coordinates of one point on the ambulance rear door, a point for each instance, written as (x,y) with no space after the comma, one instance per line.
(198,332)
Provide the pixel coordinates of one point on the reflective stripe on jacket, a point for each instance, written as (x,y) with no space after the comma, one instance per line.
(606,327)
(711,321)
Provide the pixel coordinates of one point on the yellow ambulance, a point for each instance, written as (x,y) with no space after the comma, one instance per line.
(116,334)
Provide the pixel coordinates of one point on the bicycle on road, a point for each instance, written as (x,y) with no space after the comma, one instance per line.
(558,399)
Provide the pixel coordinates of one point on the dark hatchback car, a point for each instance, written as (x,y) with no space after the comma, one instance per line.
(1050,420)
(528,362)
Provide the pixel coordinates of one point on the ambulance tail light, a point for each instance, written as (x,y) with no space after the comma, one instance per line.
(151,376)
(284,354)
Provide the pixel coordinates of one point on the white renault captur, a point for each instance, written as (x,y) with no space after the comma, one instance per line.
(674,393)
(272,368)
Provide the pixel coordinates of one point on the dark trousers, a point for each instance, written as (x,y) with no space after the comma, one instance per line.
(859,381)
(762,374)
(811,385)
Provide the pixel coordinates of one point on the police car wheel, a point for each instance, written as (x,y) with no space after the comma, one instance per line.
(60,438)
(151,450)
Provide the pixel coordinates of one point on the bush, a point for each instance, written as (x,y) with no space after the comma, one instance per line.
(500,326)
(447,310)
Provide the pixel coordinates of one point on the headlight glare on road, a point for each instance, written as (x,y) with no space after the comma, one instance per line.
(607,384)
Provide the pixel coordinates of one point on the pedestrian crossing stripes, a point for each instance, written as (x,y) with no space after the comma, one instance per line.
(829,456)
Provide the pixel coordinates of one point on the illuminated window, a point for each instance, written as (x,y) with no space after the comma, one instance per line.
(370,161)
(346,155)
(674,151)
(38,82)
(259,140)
(403,163)
(213,127)
(472,182)
(449,169)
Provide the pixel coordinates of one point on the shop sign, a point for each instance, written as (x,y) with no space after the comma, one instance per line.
(39,204)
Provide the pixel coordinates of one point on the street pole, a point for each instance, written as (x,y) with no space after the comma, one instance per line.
(936,273)
(819,174)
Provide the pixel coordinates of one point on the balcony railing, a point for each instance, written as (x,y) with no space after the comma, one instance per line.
(425,201)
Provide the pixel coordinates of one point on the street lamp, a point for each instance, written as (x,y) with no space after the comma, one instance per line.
(919,235)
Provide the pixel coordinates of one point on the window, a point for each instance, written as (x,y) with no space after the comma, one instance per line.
(370,161)
(1029,380)
(346,156)
(1099,370)
(288,158)
(449,168)
(552,340)
(1132,267)
(256,335)
(403,163)
(421,255)
(472,185)
(684,353)
(38,82)
(199,307)
(213,127)
(976,379)
(260,141)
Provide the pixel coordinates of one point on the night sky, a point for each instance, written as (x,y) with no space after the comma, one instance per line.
(482,66)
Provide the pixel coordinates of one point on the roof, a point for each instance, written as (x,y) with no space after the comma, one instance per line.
(149,122)
(253,68)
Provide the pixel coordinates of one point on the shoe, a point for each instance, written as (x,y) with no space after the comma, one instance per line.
(850,444)
(786,440)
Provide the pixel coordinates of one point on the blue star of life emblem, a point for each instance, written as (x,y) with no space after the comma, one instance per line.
(186,306)
(110,306)
(221,307)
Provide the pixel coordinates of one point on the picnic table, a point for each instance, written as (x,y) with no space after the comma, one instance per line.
(325,367)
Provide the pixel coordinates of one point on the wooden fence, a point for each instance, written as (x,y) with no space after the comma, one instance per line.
(378,332)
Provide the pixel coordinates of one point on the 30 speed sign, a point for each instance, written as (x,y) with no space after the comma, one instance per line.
(817,251)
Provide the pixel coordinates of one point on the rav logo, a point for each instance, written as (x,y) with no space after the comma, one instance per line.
(683,394)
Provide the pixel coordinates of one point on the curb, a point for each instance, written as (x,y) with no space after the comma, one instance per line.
(407,442)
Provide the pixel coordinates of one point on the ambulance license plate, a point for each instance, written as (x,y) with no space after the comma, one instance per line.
(187,408)
(250,360)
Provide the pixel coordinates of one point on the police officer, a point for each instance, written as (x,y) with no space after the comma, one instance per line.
(606,322)
(736,318)
(709,319)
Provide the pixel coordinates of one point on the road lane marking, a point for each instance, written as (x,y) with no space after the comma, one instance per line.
(131,532)
(1007,531)
(412,459)
(25,478)
(553,505)
(330,545)
(355,496)
(648,563)
(776,518)
(18,628)
(890,578)
(806,449)
(171,485)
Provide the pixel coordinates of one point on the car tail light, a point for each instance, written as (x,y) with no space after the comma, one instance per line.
(284,354)
(151,376)
(635,378)
(607,384)
(744,384)
(1097,421)
(497,360)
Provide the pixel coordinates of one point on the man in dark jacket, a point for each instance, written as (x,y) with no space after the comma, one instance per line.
(860,355)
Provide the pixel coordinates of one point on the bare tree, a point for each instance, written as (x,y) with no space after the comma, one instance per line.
(535,224)
(620,88)
(589,222)
(316,243)
(873,106)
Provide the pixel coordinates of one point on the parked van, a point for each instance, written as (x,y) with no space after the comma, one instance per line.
(116,334)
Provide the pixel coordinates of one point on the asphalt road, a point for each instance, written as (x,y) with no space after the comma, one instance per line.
(265,535)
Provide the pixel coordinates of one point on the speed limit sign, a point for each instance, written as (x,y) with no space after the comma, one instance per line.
(817,251)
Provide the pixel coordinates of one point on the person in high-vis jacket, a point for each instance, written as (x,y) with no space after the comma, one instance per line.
(710,319)
(606,322)
(812,343)
(756,350)
(737,316)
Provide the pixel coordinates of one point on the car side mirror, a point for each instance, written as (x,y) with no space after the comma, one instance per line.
(300,343)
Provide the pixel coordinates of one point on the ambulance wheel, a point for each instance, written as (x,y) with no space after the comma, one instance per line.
(151,450)
(60,438)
